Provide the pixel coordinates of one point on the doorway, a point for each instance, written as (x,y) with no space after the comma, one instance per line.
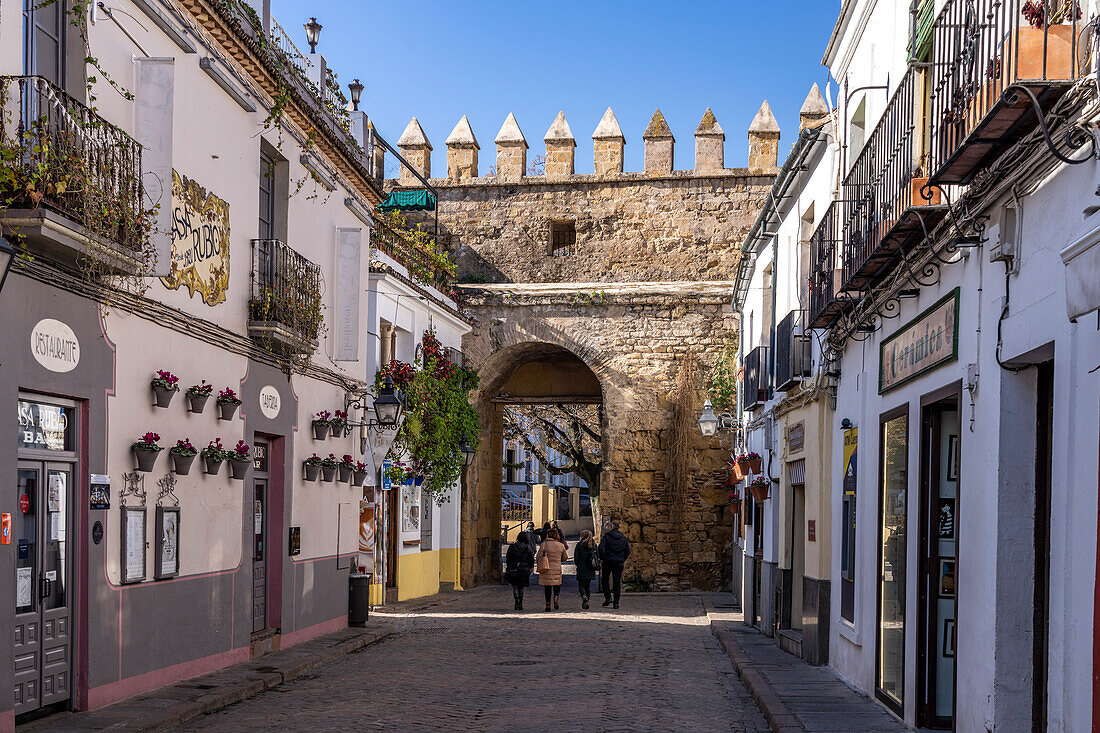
(260,550)
(44,565)
(1044,440)
(798,553)
(757,560)
(391,545)
(939,542)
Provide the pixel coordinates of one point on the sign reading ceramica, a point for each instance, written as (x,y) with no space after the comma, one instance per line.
(926,342)
(200,241)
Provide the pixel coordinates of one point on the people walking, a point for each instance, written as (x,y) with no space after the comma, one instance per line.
(587,560)
(520,560)
(552,553)
(529,532)
(614,550)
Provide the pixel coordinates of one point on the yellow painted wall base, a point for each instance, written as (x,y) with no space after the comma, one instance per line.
(449,566)
(377,594)
(417,574)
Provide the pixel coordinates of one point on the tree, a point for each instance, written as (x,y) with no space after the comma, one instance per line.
(571,430)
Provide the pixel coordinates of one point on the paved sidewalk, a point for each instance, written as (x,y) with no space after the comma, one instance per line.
(793,694)
(176,704)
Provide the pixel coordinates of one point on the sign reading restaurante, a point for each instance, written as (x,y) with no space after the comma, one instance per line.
(200,241)
(929,340)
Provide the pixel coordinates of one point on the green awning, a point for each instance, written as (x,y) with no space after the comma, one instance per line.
(408,201)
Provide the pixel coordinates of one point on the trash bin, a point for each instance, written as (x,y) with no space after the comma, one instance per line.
(359,598)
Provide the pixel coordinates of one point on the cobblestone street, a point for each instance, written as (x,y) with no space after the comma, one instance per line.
(472,663)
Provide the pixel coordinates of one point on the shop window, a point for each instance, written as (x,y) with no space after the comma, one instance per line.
(893,517)
(563,238)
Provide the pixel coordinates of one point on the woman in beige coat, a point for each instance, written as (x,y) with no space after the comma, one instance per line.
(552,553)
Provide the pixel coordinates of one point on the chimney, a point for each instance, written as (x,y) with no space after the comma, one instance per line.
(814,112)
(710,143)
(764,139)
(416,149)
(560,148)
(607,146)
(462,150)
(511,150)
(659,144)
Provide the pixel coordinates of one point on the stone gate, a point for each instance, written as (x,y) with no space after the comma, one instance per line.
(600,288)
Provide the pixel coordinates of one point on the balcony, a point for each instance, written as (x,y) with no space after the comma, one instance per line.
(825,303)
(416,251)
(756,379)
(70,181)
(284,310)
(889,206)
(793,353)
(979,49)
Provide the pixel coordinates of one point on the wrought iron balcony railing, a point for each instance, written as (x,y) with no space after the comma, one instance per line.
(756,379)
(825,304)
(423,264)
(284,310)
(994,64)
(888,204)
(57,154)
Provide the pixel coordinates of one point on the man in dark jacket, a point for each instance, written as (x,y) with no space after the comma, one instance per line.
(614,550)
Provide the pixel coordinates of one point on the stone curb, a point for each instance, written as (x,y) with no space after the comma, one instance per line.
(226,687)
(779,717)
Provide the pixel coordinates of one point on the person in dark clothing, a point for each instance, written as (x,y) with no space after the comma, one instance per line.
(614,550)
(588,563)
(529,534)
(540,534)
(520,560)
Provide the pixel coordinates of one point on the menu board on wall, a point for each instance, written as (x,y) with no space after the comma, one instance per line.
(168,537)
(133,544)
(410,507)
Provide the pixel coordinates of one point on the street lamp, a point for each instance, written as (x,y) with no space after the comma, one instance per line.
(7,256)
(387,406)
(708,421)
(468,451)
(356,90)
(313,34)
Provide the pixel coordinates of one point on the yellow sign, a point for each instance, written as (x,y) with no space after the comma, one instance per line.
(200,241)
(851,440)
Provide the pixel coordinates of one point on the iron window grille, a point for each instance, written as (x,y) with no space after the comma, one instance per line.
(563,238)
(286,290)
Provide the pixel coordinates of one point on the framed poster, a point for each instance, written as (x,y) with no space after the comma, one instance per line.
(410,507)
(949,637)
(99,496)
(947,578)
(952,458)
(945,518)
(168,543)
(133,544)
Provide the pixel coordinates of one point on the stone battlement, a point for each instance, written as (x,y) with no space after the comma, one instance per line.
(608,144)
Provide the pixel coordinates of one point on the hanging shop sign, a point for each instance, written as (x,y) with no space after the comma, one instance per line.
(54,345)
(928,341)
(200,241)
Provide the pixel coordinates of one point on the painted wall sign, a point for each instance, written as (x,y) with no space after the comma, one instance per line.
(55,346)
(796,436)
(928,341)
(270,402)
(200,241)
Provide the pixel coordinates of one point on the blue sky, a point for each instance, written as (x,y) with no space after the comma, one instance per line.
(440,60)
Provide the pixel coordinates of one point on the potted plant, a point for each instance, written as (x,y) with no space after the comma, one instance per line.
(347,469)
(338,423)
(736,474)
(146,451)
(360,477)
(1045,49)
(312,467)
(322,423)
(735,502)
(213,455)
(328,468)
(197,395)
(228,402)
(182,455)
(165,385)
(239,458)
(760,487)
(749,463)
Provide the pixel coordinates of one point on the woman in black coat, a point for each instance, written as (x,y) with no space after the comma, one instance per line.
(587,561)
(520,560)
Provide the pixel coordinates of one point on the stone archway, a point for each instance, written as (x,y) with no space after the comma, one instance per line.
(624,346)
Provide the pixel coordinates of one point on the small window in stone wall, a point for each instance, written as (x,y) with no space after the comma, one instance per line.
(563,238)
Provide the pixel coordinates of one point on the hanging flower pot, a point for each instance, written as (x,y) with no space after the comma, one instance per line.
(228,402)
(165,385)
(197,396)
(760,487)
(146,451)
(749,463)
(359,476)
(320,430)
(311,471)
(735,472)
(346,469)
(338,423)
(212,456)
(328,468)
(239,460)
(182,455)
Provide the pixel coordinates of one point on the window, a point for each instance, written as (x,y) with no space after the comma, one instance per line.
(45,43)
(266,229)
(510,465)
(893,517)
(857,132)
(426,506)
(563,238)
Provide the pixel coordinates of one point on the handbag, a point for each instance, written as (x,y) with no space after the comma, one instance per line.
(543,564)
